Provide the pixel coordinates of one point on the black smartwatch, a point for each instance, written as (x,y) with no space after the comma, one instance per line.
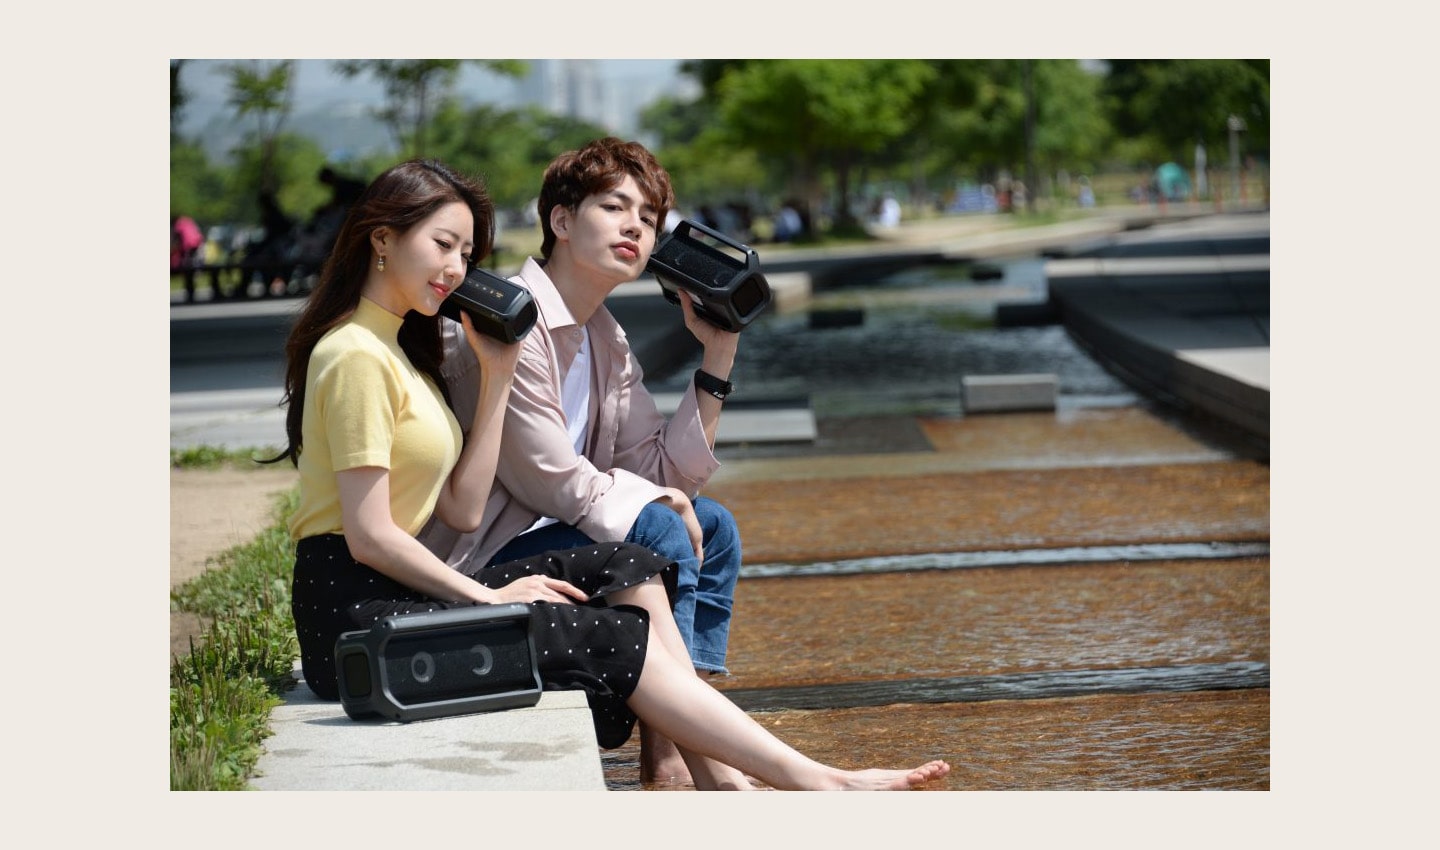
(713,385)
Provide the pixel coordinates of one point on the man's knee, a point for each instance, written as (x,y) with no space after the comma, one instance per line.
(717,523)
(663,531)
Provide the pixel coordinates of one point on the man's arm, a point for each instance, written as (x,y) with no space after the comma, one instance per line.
(539,465)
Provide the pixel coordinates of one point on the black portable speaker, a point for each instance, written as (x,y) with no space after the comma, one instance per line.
(722,273)
(439,663)
(497,307)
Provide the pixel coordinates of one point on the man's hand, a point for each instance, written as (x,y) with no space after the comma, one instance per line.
(706,333)
(678,502)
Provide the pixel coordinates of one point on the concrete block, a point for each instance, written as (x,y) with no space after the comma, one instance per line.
(1001,393)
(550,746)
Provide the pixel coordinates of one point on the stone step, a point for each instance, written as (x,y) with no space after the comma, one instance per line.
(550,746)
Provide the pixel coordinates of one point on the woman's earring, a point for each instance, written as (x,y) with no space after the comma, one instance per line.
(380,266)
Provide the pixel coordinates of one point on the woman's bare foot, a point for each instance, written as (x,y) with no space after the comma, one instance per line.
(892,780)
(660,760)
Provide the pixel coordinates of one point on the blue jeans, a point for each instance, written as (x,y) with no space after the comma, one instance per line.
(705,593)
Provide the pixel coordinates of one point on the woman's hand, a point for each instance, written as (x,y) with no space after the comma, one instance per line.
(497,359)
(462,501)
(539,589)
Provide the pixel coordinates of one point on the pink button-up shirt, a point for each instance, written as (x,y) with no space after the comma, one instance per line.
(631,450)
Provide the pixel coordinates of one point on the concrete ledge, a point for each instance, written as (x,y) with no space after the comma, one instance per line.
(1123,267)
(788,421)
(998,393)
(550,746)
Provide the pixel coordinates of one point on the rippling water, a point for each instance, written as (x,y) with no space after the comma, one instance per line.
(1218,741)
(900,345)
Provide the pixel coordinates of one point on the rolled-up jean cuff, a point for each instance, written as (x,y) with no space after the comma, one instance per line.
(711,666)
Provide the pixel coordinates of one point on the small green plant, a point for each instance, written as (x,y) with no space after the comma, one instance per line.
(221,694)
(214,457)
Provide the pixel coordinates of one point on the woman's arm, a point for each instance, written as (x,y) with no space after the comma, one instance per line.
(376,541)
(461,502)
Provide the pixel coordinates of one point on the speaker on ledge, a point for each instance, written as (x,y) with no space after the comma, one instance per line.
(439,663)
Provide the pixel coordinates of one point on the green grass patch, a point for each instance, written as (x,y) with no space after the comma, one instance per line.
(221,694)
(216,457)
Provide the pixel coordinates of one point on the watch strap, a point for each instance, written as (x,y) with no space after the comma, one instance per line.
(707,382)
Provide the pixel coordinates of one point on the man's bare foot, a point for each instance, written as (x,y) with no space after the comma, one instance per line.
(660,761)
(893,780)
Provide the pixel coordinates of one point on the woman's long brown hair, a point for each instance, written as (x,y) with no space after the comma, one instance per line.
(399,199)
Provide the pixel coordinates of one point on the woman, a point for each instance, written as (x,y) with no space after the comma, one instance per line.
(379,451)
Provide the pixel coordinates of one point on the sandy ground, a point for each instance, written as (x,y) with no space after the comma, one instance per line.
(211,511)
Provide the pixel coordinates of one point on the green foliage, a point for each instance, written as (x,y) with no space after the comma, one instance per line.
(215,193)
(704,165)
(508,148)
(1071,128)
(294,164)
(829,113)
(678,122)
(221,694)
(269,159)
(708,170)
(217,718)
(1176,102)
(822,130)
(826,107)
(198,188)
(415,89)
(263,91)
(213,457)
(983,132)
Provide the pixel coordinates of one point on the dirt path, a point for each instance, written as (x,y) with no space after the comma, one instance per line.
(211,511)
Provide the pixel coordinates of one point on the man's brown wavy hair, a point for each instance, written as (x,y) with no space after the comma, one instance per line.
(598,167)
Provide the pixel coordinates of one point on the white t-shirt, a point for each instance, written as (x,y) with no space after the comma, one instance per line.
(575,402)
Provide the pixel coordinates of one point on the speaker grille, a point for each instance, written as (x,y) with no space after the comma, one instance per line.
(451,664)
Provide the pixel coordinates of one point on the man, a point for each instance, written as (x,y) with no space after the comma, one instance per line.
(586,456)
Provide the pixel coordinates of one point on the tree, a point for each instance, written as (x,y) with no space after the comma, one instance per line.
(821,115)
(292,165)
(1174,103)
(983,119)
(1072,129)
(705,165)
(508,148)
(416,88)
(197,188)
(264,90)
(177,93)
